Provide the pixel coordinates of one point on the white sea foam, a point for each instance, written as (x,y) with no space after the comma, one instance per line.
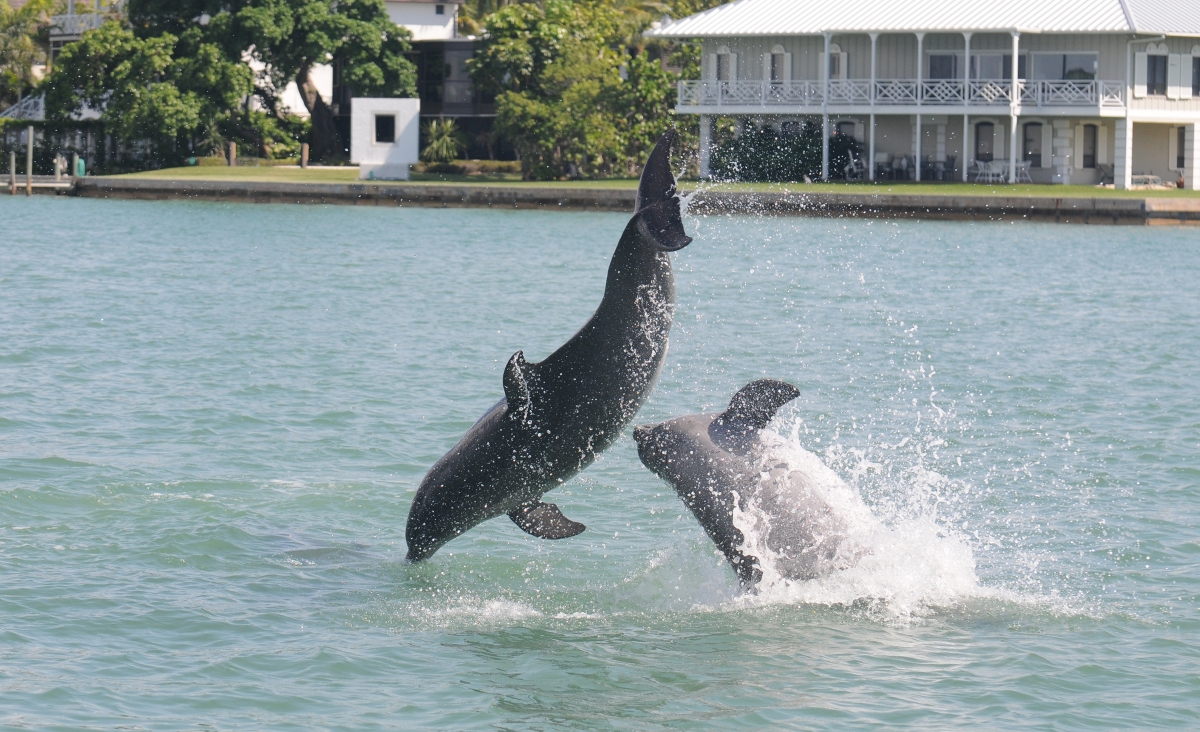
(473,611)
(903,565)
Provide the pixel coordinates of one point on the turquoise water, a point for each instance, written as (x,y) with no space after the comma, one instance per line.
(213,419)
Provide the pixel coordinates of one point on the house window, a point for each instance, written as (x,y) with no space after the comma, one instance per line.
(1033,143)
(1156,75)
(777,62)
(943,66)
(723,67)
(1065,66)
(385,128)
(1196,76)
(1180,141)
(984,141)
(996,66)
(439,9)
(1089,146)
(845,129)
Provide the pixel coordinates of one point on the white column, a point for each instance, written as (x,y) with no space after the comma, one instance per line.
(1013,102)
(966,138)
(825,112)
(920,94)
(1123,154)
(705,145)
(1191,157)
(917,149)
(871,160)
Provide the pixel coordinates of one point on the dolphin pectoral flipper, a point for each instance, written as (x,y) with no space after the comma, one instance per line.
(544,521)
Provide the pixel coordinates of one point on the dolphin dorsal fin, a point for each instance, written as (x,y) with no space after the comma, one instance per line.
(658,208)
(518,391)
(756,403)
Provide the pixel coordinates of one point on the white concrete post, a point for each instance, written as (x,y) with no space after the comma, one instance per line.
(1191,157)
(1013,102)
(705,145)
(1123,154)
(966,168)
(920,94)
(825,113)
(871,153)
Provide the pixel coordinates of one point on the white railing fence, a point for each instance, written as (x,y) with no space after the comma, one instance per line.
(935,92)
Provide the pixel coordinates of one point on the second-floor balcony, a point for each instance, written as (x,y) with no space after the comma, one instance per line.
(901,92)
(75,24)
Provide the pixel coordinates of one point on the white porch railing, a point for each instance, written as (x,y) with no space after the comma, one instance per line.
(30,108)
(75,25)
(900,92)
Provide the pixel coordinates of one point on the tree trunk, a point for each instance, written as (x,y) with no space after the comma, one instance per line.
(325,142)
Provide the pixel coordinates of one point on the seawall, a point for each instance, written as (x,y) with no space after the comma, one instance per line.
(1099,210)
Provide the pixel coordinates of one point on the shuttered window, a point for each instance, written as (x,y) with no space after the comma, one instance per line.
(1156,75)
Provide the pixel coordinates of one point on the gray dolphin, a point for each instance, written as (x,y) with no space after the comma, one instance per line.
(717,463)
(558,414)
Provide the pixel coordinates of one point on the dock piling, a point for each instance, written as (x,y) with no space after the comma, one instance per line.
(29,161)
(12,172)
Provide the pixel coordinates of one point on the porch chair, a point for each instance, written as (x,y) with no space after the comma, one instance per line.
(855,170)
(882,164)
(1023,171)
(1106,173)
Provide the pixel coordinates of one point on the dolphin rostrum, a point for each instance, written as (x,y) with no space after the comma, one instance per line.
(558,414)
(720,468)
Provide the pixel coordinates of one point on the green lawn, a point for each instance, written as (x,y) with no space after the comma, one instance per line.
(318,174)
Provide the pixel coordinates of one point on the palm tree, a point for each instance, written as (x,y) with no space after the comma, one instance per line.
(444,141)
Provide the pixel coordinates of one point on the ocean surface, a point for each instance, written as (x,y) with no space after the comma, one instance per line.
(213,419)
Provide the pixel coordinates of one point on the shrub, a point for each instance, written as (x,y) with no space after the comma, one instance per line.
(762,153)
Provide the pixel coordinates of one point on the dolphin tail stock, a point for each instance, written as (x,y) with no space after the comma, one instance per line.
(756,403)
(545,521)
(658,209)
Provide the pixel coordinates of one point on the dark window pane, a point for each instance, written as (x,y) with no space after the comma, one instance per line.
(984,134)
(439,9)
(1180,140)
(1008,66)
(1079,66)
(1033,143)
(1196,76)
(943,66)
(1048,66)
(1156,75)
(845,129)
(385,128)
(1089,146)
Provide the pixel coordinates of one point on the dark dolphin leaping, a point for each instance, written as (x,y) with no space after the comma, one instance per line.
(557,415)
(717,462)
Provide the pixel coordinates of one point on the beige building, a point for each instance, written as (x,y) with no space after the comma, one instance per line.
(1102,91)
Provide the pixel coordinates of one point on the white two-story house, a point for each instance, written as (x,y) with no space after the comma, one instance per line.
(1100,88)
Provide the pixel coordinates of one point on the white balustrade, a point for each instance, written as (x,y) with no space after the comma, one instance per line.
(901,92)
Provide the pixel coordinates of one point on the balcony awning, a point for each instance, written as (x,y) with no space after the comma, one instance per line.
(792,18)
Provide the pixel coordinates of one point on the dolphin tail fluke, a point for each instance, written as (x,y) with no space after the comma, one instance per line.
(756,403)
(658,209)
(544,521)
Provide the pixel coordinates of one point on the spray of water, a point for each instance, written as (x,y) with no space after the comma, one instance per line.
(818,542)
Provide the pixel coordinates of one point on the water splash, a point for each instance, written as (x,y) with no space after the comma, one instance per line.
(900,564)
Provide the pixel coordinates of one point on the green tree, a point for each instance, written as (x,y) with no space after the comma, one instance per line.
(22,46)
(163,89)
(289,38)
(444,141)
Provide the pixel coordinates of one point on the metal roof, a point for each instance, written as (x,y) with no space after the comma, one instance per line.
(813,17)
